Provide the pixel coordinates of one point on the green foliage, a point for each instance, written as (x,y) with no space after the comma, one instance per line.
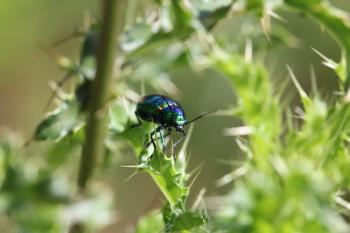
(150,223)
(262,116)
(295,177)
(66,119)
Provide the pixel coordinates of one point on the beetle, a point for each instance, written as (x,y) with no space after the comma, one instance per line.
(164,111)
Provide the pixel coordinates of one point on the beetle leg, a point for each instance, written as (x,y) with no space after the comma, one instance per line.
(168,128)
(158,129)
(165,135)
(162,139)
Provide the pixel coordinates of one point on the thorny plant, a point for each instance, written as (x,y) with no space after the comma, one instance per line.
(296,174)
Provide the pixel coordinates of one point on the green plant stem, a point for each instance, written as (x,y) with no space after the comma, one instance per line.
(101,90)
(95,131)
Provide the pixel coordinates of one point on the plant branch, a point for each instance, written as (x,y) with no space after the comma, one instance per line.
(95,131)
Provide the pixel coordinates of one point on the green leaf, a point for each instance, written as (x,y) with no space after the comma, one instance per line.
(339,68)
(152,222)
(137,135)
(161,39)
(211,12)
(180,219)
(258,108)
(66,119)
(168,178)
(118,115)
(156,66)
(173,24)
(210,18)
(182,15)
(186,221)
(136,36)
(60,153)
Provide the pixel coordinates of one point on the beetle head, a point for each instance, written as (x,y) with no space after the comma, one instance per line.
(180,128)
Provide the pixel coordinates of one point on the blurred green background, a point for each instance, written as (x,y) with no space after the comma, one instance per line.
(25,71)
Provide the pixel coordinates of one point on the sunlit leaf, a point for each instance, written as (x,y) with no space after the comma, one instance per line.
(61,122)
(136,36)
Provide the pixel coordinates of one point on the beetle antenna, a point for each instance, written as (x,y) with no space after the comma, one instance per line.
(200,116)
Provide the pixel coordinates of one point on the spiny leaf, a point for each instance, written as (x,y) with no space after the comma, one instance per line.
(339,68)
(185,222)
(169,180)
(259,109)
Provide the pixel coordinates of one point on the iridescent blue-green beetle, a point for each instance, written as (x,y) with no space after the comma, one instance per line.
(164,111)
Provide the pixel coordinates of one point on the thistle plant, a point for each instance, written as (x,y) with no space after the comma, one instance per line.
(294,176)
